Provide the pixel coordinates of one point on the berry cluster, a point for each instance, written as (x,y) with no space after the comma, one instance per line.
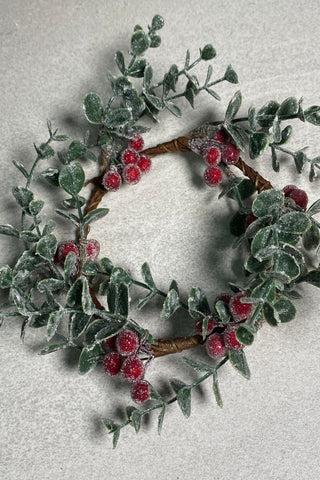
(220,150)
(92,251)
(222,337)
(133,166)
(298,196)
(123,359)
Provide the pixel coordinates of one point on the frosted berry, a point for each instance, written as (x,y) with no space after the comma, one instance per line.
(230,154)
(300,198)
(212,156)
(129,156)
(131,174)
(112,363)
(230,339)
(221,136)
(144,163)
(63,250)
(110,343)
(215,346)
(93,249)
(132,369)
(127,342)
(212,176)
(288,189)
(224,297)
(136,143)
(140,391)
(211,325)
(111,180)
(250,219)
(239,310)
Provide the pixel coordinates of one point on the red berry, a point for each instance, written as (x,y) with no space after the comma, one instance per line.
(136,143)
(299,197)
(211,325)
(215,346)
(93,249)
(230,154)
(131,174)
(111,180)
(224,297)
(140,391)
(288,189)
(212,156)
(132,369)
(239,310)
(65,248)
(112,363)
(144,163)
(230,338)
(250,219)
(127,342)
(212,176)
(129,156)
(110,343)
(221,136)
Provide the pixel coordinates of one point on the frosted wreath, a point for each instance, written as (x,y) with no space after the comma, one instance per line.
(52,285)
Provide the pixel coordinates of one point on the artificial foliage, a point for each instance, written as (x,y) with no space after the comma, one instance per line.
(67,287)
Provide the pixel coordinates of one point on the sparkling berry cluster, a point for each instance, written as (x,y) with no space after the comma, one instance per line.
(133,166)
(297,195)
(220,150)
(123,359)
(222,337)
(92,247)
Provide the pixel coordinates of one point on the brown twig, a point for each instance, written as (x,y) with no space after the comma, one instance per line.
(162,346)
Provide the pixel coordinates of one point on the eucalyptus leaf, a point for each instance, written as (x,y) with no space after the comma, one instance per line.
(139,42)
(88,359)
(258,143)
(198,304)
(9,230)
(233,107)
(46,247)
(268,202)
(171,304)
(71,178)
(93,108)
(294,222)
(238,360)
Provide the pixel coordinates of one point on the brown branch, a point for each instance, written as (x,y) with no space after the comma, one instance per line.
(163,346)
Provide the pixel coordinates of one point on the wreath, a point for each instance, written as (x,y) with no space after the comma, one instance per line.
(65,287)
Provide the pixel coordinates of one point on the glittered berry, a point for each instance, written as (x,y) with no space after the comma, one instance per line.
(111,180)
(63,250)
(127,342)
(212,176)
(93,249)
(131,174)
(221,136)
(230,154)
(215,346)
(288,189)
(250,219)
(239,310)
(230,339)
(299,197)
(211,325)
(110,343)
(132,369)
(224,297)
(112,363)
(140,391)
(144,163)
(129,156)
(212,156)
(136,143)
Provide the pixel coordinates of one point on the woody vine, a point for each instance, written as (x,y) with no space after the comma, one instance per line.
(50,284)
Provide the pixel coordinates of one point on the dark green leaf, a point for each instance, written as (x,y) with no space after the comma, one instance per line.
(285,309)
(44,150)
(271,315)
(183,393)
(89,268)
(238,224)
(35,206)
(9,230)
(216,390)
(23,196)
(189,95)
(312,210)
(86,300)
(233,107)
(155,41)
(171,304)
(93,108)
(21,167)
(230,75)
(265,291)
(245,188)
(268,202)
(213,93)
(51,284)
(71,202)
(198,304)
(54,347)
(245,334)
(258,143)
(288,107)
(75,293)
(294,222)
(222,311)
(208,52)
(266,114)
(161,417)
(139,42)
(254,266)
(70,216)
(118,299)
(275,160)
(147,277)
(5,276)
(237,135)
(199,366)
(144,301)
(286,265)
(119,58)
(311,238)
(117,118)
(157,22)
(312,277)
(53,323)
(122,86)
(312,115)
(173,108)
(78,324)
(76,150)
(71,178)
(95,215)
(51,175)
(238,361)
(286,134)
(28,236)
(156,102)
(46,247)
(118,275)
(300,159)
(106,265)
(137,69)
(88,359)
(28,261)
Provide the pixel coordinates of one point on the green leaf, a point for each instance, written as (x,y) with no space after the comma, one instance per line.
(198,304)
(23,196)
(300,159)
(266,114)
(311,238)
(171,304)
(78,324)
(230,75)
(135,417)
(199,366)
(213,93)
(237,224)
(286,134)
(54,347)
(21,167)
(294,222)
(89,268)
(74,294)
(69,265)
(183,393)
(118,299)
(144,301)
(288,107)
(51,175)
(137,69)
(208,52)
(88,359)
(239,362)
(222,311)
(35,206)
(147,277)
(69,216)
(5,276)
(122,86)
(245,334)
(264,243)
(268,202)
(253,265)
(28,236)
(46,247)
(312,210)
(258,143)
(161,418)
(71,178)
(173,108)
(51,284)
(118,275)
(244,187)
(233,107)
(157,22)
(147,76)
(104,328)
(312,115)
(189,95)
(53,323)
(139,42)
(156,102)
(119,58)
(86,300)
(28,261)
(312,277)
(285,309)
(286,265)
(93,108)
(44,150)
(155,41)
(76,150)
(95,215)
(117,118)
(237,135)
(265,291)
(9,230)
(216,390)
(106,265)
(271,315)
